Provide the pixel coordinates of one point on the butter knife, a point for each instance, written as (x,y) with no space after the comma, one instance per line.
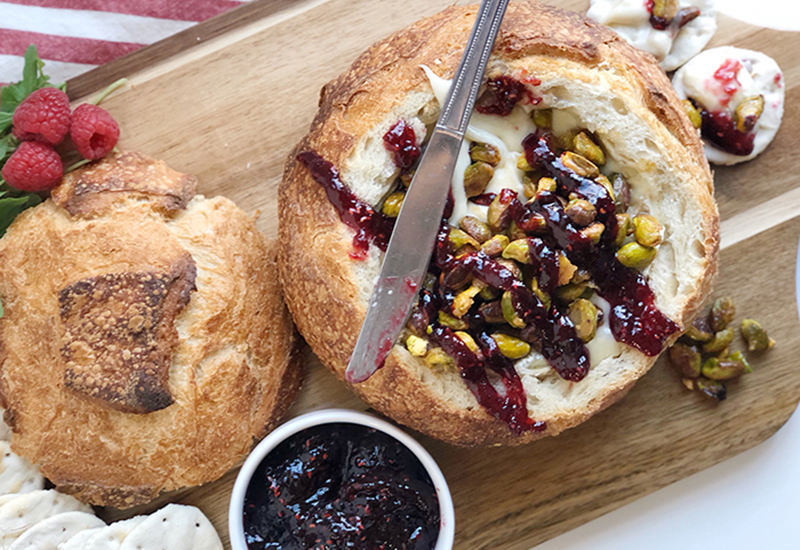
(409,251)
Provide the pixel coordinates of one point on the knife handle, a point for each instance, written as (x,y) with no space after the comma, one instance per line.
(458,105)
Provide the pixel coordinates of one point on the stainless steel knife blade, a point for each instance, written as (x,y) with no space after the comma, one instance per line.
(409,251)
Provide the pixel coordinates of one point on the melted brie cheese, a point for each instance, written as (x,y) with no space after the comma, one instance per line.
(504,133)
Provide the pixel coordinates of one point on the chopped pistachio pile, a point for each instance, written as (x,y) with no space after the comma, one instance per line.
(703,356)
(501,239)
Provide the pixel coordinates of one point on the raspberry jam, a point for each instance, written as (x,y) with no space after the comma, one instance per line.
(725,81)
(719,129)
(634,318)
(339,486)
(370,226)
(501,95)
(682,17)
(401,141)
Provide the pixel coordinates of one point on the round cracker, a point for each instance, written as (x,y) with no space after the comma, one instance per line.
(17,475)
(78,541)
(53,531)
(20,512)
(112,536)
(175,527)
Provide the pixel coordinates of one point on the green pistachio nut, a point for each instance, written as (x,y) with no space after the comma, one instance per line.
(605,182)
(748,112)
(541,294)
(583,314)
(712,388)
(722,313)
(647,231)
(510,313)
(722,369)
(579,164)
(511,347)
(700,330)
(542,118)
(522,164)
(739,357)
(588,148)
(477,177)
(447,320)
(392,204)
(468,340)
(460,238)
(417,346)
(757,338)
(622,192)
(593,232)
(692,113)
(497,216)
(494,247)
(636,256)
(484,152)
(529,187)
(570,292)
(623,225)
(475,228)
(581,212)
(721,340)
(665,9)
(518,250)
(437,360)
(686,360)
(547,184)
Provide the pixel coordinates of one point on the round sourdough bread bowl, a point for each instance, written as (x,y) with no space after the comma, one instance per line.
(583,69)
(145,344)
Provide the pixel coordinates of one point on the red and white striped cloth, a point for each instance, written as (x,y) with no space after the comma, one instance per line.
(74,36)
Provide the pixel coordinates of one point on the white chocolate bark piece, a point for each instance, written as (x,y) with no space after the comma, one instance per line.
(759,74)
(671,47)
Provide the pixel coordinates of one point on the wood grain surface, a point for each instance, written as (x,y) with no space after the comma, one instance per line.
(230,108)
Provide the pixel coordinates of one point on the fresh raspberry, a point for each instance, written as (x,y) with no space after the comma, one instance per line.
(43,116)
(94,131)
(34,166)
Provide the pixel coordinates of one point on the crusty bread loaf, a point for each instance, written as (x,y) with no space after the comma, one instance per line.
(615,91)
(145,342)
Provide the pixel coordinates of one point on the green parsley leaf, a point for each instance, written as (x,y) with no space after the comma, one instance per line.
(32,79)
(11,207)
(5,121)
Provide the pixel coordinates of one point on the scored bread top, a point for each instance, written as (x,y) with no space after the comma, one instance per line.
(142,349)
(615,91)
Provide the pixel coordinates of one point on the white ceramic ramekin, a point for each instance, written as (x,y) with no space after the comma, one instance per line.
(335,416)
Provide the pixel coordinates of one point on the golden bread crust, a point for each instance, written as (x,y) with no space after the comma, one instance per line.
(322,289)
(122,175)
(222,351)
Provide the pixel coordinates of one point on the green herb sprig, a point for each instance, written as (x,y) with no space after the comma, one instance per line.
(13,201)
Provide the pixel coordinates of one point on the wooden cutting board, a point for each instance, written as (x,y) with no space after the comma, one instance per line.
(228,99)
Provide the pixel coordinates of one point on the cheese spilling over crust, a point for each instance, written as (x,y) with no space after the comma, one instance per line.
(631,19)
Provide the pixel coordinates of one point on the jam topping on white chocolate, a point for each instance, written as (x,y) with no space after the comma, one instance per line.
(673,31)
(739,94)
